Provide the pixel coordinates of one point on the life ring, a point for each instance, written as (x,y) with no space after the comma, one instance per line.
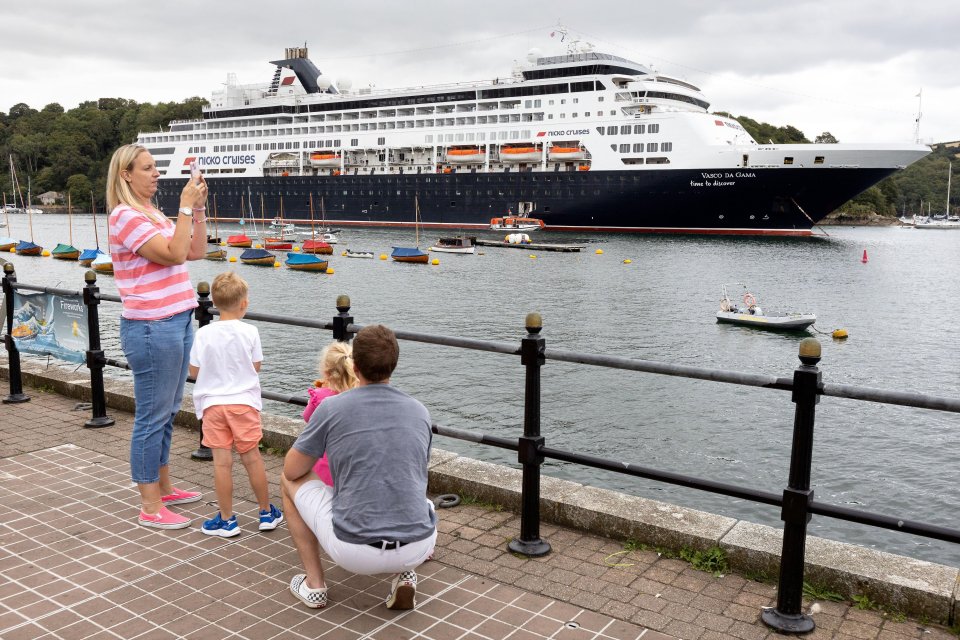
(749,299)
(446,501)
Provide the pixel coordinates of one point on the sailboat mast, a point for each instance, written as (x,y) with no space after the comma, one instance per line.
(93,212)
(70,216)
(949,175)
(313,229)
(416,221)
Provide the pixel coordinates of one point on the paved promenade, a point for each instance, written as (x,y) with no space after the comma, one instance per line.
(74,564)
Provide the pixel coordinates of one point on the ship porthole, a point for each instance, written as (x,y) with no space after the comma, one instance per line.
(721,216)
(752,217)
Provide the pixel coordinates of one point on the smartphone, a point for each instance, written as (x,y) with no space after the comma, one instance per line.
(194,170)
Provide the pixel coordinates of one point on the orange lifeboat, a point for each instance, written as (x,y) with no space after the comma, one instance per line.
(566,153)
(325,159)
(464,155)
(520,153)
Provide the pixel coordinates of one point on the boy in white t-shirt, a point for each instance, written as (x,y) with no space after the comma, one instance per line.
(225,361)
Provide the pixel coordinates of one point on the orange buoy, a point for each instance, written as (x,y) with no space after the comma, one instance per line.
(864,258)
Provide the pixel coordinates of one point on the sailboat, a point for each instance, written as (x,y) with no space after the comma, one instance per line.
(278,243)
(241,239)
(218,255)
(941,222)
(103,263)
(24,247)
(87,256)
(67,251)
(6,242)
(313,245)
(411,254)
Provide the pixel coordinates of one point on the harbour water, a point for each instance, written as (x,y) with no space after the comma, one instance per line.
(899,308)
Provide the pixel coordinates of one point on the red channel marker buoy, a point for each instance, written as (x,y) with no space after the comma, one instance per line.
(864,259)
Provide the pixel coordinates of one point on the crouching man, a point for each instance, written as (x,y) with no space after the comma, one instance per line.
(376,518)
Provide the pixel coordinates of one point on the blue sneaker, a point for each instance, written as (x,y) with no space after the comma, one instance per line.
(217,526)
(270,520)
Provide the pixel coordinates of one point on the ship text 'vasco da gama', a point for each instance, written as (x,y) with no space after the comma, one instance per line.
(585,141)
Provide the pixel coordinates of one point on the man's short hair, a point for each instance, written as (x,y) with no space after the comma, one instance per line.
(228,291)
(375,352)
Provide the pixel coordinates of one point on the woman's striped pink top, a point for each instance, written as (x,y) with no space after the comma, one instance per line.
(149,291)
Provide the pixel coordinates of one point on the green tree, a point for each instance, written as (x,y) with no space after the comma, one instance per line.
(826,138)
(79,187)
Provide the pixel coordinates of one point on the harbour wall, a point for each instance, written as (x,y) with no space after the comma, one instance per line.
(913,587)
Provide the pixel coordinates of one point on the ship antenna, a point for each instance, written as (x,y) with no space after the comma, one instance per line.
(916,130)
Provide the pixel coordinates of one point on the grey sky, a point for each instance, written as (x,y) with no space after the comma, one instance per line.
(851,67)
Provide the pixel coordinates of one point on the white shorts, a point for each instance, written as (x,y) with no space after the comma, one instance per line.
(314,501)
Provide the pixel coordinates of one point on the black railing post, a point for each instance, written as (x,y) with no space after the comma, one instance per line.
(788,616)
(342,320)
(203,319)
(532,357)
(95,358)
(13,355)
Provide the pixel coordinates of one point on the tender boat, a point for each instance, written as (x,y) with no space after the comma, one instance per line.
(325,159)
(520,153)
(465,155)
(749,314)
(358,254)
(455,244)
(514,223)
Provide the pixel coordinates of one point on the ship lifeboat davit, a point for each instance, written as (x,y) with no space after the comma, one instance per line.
(520,153)
(464,155)
(566,153)
(324,159)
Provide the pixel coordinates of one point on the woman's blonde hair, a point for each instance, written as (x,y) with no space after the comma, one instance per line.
(336,366)
(118,189)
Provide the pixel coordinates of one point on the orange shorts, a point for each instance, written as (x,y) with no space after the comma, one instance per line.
(228,426)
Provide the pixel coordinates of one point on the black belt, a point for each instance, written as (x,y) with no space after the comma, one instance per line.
(387,546)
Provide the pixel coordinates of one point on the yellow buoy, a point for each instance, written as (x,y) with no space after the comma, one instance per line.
(45,253)
(344,253)
(329,271)
(233,258)
(599,252)
(627,261)
(258,246)
(383,256)
(276,264)
(296,248)
(533,257)
(840,333)
(223,244)
(435,262)
(13,249)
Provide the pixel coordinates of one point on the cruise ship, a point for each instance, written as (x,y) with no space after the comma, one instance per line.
(585,141)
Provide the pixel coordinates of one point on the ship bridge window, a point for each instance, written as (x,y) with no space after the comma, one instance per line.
(666,146)
(625,129)
(625,148)
(611,131)
(654,128)
(639,128)
(638,147)
(652,146)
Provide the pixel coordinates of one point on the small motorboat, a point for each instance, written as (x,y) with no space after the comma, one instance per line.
(514,223)
(749,314)
(357,254)
(456,244)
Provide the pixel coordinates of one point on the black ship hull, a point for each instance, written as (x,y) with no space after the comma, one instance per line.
(712,201)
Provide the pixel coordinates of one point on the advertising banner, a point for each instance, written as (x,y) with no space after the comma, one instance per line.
(47,324)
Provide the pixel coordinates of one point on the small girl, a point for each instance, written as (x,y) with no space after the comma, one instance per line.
(336,366)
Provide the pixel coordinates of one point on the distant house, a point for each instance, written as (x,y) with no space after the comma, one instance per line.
(50,197)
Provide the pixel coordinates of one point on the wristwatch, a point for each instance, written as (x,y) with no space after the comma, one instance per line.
(187,211)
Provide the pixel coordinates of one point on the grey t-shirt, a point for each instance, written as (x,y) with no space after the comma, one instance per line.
(377,440)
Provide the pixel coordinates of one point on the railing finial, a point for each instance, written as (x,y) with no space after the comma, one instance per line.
(810,351)
(534,322)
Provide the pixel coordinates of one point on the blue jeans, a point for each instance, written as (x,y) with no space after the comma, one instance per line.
(158,352)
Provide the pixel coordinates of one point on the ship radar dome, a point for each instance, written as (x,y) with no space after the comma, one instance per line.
(344,84)
(323,82)
(533,55)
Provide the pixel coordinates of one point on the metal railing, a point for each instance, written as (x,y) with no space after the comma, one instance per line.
(796,500)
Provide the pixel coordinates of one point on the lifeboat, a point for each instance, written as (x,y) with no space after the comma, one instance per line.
(566,153)
(520,153)
(325,159)
(464,155)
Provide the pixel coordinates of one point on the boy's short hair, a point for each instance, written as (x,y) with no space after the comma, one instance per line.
(228,291)
(375,352)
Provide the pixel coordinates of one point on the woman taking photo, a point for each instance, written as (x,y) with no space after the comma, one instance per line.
(149,253)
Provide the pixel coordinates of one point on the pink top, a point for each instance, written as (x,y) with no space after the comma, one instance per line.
(149,291)
(318,395)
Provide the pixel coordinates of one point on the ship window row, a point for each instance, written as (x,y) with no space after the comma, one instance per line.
(625,129)
(638,147)
(679,97)
(583,70)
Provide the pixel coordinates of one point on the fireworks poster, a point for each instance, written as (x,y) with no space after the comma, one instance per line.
(47,324)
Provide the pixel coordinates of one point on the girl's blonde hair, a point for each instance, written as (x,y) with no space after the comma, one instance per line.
(336,366)
(118,189)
